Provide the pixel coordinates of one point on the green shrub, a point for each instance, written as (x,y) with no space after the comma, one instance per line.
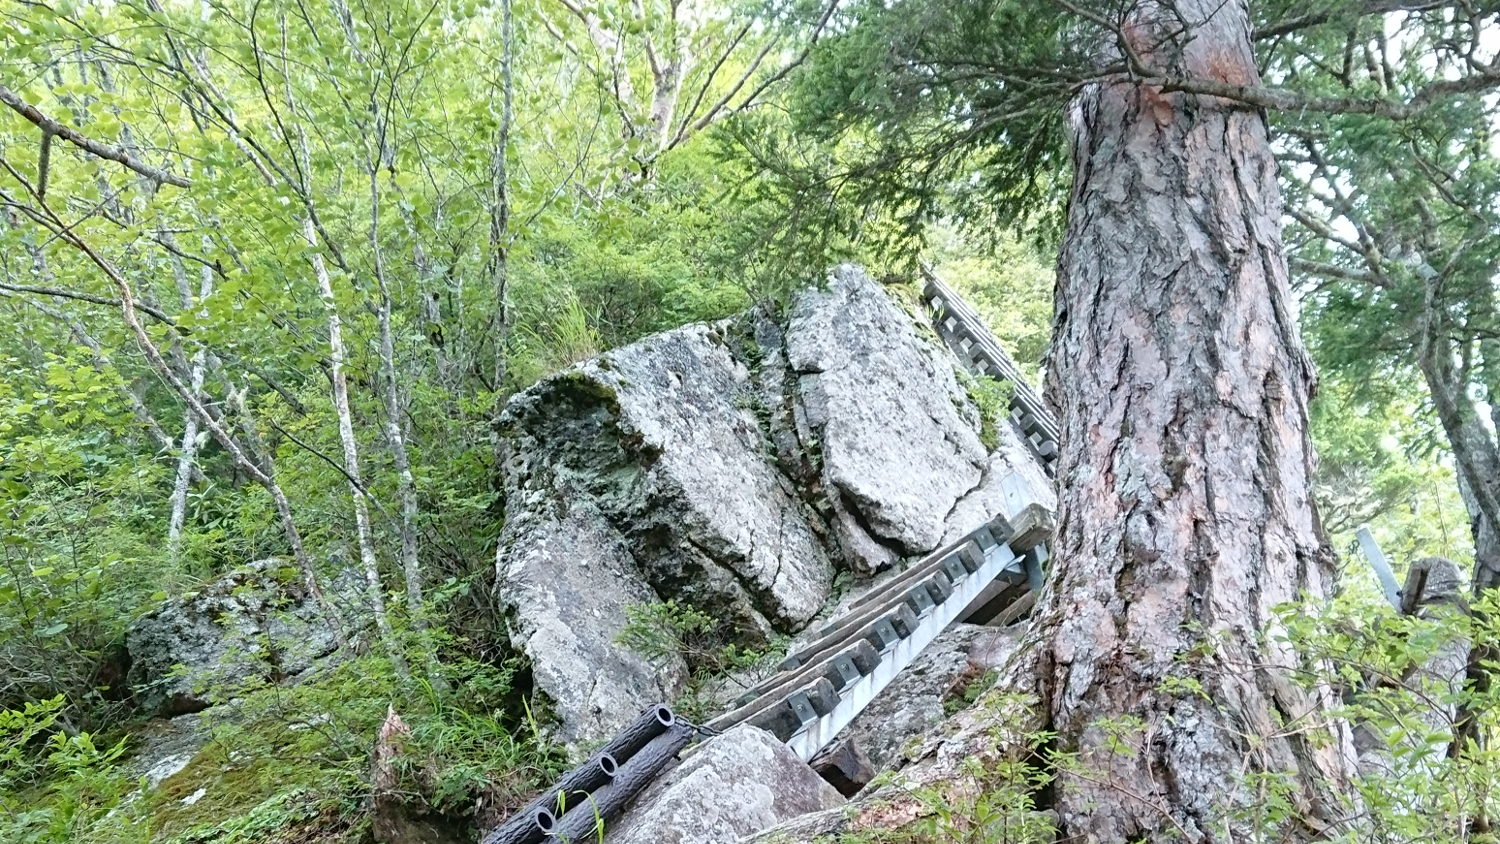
(665,630)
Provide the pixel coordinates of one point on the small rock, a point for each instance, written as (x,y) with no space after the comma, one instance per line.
(733,786)
(165,768)
(252,622)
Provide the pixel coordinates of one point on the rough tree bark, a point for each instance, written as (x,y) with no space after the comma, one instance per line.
(1185,510)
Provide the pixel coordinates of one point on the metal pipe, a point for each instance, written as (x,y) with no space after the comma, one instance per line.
(604,806)
(1376,558)
(531,825)
(523,826)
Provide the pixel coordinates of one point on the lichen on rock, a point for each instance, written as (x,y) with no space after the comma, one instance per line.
(254,622)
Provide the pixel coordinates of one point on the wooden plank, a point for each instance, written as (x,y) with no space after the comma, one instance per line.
(816,658)
(1020,607)
(998,530)
(903,581)
(784,718)
(981,608)
(1033,526)
(969,549)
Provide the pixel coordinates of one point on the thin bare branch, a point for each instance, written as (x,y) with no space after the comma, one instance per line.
(90,298)
(1375,7)
(49,126)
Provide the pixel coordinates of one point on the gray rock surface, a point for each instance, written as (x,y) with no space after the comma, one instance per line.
(254,622)
(164,746)
(1010,464)
(733,786)
(640,476)
(898,449)
(570,580)
(735,467)
(907,711)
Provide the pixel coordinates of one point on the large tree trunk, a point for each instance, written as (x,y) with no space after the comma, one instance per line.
(1185,511)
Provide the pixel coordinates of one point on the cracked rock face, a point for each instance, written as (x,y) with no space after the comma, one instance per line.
(735,467)
(949,674)
(899,439)
(636,477)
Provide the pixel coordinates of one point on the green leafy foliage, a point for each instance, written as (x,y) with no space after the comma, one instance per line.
(992,397)
(1375,658)
(55,787)
(666,631)
(1381,462)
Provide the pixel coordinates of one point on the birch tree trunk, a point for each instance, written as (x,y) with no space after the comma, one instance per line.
(261,475)
(499,257)
(1185,507)
(395,438)
(187,453)
(374,592)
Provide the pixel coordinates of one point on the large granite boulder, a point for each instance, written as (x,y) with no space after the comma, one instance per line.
(255,622)
(639,476)
(735,467)
(898,438)
(570,579)
(735,785)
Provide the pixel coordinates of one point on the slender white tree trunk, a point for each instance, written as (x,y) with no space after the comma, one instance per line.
(395,437)
(375,593)
(187,454)
(499,258)
(261,475)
